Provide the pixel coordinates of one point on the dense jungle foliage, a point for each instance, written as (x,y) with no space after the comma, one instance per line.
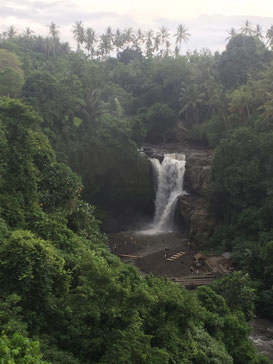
(63,114)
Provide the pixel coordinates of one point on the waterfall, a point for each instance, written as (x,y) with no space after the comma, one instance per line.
(169,185)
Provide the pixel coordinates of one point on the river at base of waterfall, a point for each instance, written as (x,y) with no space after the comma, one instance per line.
(262,336)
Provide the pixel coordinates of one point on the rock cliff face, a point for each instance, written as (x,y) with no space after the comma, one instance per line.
(194,208)
(197,175)
(200,221)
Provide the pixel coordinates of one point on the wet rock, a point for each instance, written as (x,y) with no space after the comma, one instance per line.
(200,220)
(197,174)
(262,336)
(198,164)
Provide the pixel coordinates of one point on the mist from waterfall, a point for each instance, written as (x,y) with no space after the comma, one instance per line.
(169,186)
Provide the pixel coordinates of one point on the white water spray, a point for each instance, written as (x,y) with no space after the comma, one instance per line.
(169,177)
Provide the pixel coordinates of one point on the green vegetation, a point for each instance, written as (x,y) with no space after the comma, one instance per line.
(64,298)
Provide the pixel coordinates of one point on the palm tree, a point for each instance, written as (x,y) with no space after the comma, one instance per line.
(49,47)
(128,35)
(157,42)
(176,51)
(269,36)
(218,103)
(163,35)
(105,46)
(4,35)
(182,35)
(168,51)
(241,101)
(149,42)
(138,39)
(28,32)
(231,33)
(190,99)
(118,40)
(78,33)
(54,33)
(90,40)
(258,31)
(246,28)
(109,34)
(11,32)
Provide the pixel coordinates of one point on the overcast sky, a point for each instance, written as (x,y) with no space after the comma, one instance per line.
(207,20)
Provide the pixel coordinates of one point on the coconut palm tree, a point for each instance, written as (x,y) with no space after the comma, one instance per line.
(28,32)
(49,47)
(258,32)
(138,39)
(182,35)
(53,31)
(190,100)
(118,40)
(163,35)
(149,42)
(105,46)
(90,41)
(241,101)
(176,51)
(157,42)
(54,36)
(167,51)
(11,32)
(231,33)
(128,35)
(246,28)
(78,33)
(269,36)
(110,35)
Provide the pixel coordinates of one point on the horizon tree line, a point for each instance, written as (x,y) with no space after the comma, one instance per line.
(149,42)
(102,45)
(247,28)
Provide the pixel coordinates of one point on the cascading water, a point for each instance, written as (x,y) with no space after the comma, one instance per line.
(169,177)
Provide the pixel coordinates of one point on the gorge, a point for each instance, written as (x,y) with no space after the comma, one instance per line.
(82,136)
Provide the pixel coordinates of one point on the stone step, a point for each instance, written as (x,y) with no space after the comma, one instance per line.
(175,256)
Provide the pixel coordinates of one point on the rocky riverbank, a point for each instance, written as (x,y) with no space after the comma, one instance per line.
(262,336)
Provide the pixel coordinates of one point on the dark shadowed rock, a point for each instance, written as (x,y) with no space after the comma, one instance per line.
(197,174)
(200,221)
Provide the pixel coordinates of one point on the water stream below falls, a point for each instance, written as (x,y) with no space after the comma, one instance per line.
(169,175)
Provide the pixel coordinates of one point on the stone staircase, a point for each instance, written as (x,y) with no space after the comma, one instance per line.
(196,280)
